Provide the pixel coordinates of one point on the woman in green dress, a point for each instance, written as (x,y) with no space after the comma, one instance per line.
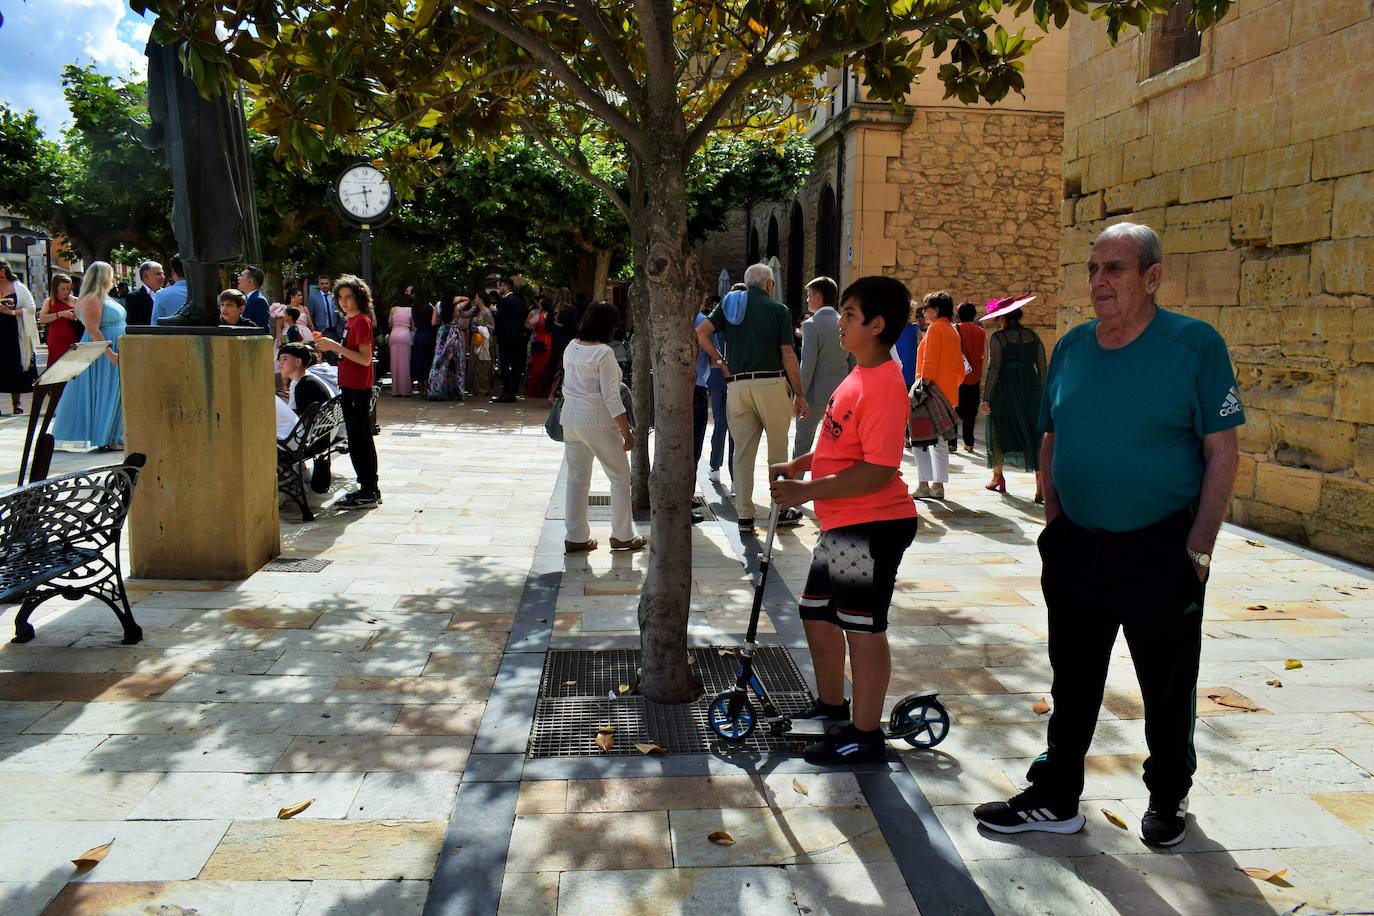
(1011,392)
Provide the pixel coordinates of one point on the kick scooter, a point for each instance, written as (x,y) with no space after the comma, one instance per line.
(920,720)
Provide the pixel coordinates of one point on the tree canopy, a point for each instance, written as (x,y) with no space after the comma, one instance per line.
(100,187)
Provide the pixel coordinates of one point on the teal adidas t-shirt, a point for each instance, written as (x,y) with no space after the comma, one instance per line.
(1128,423)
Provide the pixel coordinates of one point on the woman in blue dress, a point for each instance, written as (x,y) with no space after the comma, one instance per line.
(91,412)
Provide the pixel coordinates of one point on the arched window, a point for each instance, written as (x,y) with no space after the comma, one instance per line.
(4,243)
(796,254)
(753,252)
(828,237)
(773,249)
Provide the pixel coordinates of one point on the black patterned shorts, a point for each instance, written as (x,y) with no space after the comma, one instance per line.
(853,574)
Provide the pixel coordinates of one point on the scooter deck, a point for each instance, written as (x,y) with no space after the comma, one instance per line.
(803,728)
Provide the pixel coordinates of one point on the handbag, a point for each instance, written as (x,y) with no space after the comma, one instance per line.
(553,423)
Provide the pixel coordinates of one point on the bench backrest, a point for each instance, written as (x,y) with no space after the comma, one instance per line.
(317,426)
(86,508)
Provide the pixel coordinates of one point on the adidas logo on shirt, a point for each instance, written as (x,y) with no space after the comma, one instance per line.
(1232,403)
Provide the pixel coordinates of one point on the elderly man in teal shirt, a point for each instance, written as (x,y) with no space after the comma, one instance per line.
(1139,457)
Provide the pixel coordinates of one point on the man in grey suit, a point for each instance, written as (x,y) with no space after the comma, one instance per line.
(824,363)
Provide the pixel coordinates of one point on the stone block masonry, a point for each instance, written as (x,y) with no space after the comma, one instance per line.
(1257,168)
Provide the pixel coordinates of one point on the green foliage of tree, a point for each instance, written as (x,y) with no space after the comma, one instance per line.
(657,78)
(101,187)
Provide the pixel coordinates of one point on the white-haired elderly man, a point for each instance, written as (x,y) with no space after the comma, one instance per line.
(139,304)
(1139,457)
(759,364)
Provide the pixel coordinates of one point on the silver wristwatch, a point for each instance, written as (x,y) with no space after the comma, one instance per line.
(1203,560)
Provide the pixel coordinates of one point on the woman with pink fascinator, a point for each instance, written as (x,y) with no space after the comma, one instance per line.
(1011,392)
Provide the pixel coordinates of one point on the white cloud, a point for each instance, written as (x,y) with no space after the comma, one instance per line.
(40,37)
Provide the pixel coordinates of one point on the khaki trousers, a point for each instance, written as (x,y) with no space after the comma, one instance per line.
(756,407)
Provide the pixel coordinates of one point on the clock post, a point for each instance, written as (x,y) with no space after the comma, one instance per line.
(366,240)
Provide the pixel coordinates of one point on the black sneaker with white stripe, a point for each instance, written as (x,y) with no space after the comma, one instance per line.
(847,745)
(838,712)
(1164,824)
(1028,812)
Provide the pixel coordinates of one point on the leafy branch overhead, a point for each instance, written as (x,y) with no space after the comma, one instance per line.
(565,71)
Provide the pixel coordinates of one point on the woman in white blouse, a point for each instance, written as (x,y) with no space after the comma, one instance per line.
(595,426)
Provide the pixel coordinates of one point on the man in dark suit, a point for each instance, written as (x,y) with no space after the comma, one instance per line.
(511,312)
(255,308)
(324,313)
(139,305)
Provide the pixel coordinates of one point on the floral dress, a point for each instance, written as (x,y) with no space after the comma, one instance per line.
(448,374)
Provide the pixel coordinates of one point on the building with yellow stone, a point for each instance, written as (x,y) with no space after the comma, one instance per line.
(939,195)
(1250,149)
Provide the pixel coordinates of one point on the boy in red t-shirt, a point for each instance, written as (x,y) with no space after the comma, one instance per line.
(867,520)
(355,384)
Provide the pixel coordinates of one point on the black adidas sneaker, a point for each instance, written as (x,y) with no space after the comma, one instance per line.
(1028,812)
(847,745)
(1164,825)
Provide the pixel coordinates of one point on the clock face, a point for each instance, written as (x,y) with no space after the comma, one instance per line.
(364,193)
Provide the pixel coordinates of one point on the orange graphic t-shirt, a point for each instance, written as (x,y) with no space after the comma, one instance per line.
(865,420)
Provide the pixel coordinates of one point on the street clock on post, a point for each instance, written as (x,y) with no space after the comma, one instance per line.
(363,197)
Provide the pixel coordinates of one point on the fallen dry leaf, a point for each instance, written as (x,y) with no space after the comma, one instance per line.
(541,620)
(624,688)
(1114,819)
(1232,702)
(1292,664)
(1275,683)
(605,740)
(798,787)
(1265,874)
(726,652)
(93,857)
(570,683)
(1258,607)
(291,811)
(1254,543)
(1041,707)
(649,749)
(721,838)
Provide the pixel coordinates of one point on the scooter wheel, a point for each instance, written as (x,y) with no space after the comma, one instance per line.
(736,728)
(929,718)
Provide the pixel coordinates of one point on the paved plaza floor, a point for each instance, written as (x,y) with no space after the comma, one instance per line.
(395,687)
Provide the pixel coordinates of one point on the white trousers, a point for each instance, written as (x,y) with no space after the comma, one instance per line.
(932,463)
(580,445)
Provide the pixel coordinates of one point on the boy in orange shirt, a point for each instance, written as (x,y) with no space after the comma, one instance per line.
(867,519)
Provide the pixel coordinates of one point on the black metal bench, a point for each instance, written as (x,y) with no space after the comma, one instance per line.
(318,432)
(61,537)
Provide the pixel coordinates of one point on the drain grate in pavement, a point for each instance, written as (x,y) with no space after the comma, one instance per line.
(296,565)
(599,499)
(579,692)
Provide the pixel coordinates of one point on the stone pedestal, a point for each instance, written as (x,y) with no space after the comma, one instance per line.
(200,407)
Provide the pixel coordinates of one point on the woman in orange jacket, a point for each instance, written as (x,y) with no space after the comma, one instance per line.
(939,359)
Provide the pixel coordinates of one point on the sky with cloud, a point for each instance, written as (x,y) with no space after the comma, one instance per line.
(40,37)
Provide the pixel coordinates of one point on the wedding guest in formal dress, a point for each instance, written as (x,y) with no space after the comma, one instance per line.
(401,339)
(481,337)
(303,389)
(1016,377)
(540,324)
(973,341)
(139,304)
(91,412)
(448,375)
(59,314)
(18,337)
(426,336)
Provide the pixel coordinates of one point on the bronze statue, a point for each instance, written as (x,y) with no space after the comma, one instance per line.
(214,212)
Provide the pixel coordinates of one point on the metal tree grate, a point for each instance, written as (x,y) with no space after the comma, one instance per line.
(579,692)
(599,499)
(296,565)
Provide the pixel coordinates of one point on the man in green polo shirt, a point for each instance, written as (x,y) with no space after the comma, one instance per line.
(1139,457)
(759,364)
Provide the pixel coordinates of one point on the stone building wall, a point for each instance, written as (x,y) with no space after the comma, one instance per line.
(1255,162)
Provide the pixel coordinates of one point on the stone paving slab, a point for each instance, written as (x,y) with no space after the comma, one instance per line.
(247,796)
(140,898)
(340,850)
(770,836)
(142,850)
(763,891)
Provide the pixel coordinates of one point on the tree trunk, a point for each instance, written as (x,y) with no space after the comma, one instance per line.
(641,358)
(666,262)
